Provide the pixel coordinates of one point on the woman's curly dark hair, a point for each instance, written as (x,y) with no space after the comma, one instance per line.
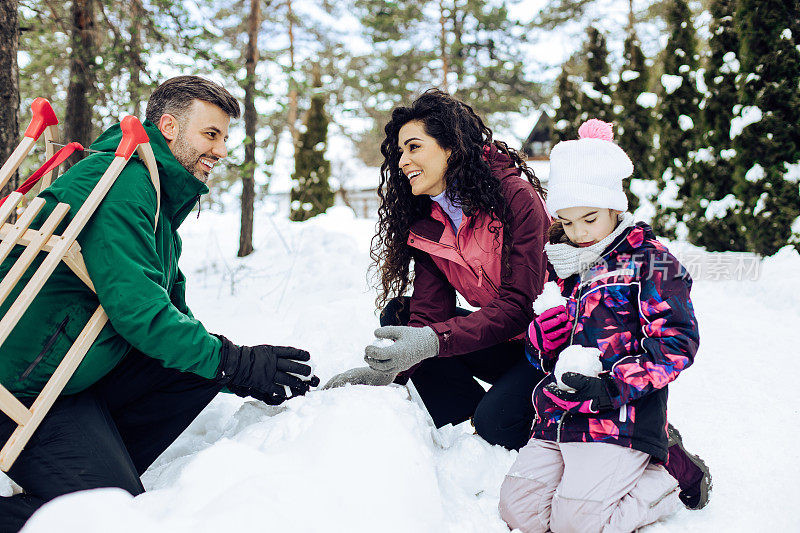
(468,180)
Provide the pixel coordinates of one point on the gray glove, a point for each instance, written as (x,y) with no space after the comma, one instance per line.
(360,376)
(411,345)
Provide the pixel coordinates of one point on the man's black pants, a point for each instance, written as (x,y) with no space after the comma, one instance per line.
(502,415)
(105,436)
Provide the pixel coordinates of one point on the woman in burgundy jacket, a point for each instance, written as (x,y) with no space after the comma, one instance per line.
(468,214)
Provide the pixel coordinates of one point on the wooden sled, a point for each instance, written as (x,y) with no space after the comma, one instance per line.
(58,248)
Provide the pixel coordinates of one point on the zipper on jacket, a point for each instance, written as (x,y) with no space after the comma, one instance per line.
(560,424)
(47,346)
(577,313)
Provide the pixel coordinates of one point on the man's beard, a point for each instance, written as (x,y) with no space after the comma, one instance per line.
(189,158)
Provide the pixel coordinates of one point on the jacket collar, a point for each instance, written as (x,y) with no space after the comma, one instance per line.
(180,190)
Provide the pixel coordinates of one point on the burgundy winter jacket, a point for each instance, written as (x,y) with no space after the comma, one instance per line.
(470,262)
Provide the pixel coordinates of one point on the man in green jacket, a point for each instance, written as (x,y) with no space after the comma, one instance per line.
(154,367)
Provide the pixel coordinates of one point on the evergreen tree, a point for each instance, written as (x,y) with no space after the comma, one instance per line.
(312,194)
(766,129)
(678,117)
(634,118)
(595,97)
(711,212)
(568,111)
(468,48)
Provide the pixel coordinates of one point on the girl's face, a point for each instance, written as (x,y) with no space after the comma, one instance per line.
(422,160)
(585,226)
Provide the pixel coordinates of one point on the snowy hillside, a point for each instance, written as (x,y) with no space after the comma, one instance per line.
(363,459)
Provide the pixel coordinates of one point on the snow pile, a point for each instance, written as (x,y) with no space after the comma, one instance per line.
(577,359)
(550,297)
(755,173)
(671,82)
(361,458)
(647,100)
(685,122)
(792,174)
(747,115)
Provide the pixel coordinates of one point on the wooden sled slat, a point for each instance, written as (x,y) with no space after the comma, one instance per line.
(13,407)
(34,246)
(9,206)
(19,228)
(58,248)
(52,389)
(37,281)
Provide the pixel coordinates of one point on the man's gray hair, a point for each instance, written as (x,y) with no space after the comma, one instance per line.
(175,96)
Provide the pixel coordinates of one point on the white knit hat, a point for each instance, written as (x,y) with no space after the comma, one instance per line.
(588,172)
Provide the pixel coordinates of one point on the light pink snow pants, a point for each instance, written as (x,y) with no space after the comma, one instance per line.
(585,487)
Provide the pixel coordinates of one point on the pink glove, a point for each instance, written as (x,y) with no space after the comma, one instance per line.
(549,331)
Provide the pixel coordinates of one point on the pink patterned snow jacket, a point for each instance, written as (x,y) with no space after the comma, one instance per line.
(634,306)
(470,262)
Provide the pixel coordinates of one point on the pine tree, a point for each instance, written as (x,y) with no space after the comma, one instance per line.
(469,48)
(312,194)
(711,212)
(634,117)
(678,117)
(595,97)
(568,111)
(766,128)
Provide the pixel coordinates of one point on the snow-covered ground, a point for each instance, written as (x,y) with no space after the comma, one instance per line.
(362,459)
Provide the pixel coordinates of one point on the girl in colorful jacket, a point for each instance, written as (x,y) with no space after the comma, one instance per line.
(469,213)
(594,460)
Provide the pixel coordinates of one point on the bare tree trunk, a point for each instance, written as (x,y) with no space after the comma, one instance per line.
(135,69)
(443,46)
(250,120)
(9,85)
(292,118)
(81,89)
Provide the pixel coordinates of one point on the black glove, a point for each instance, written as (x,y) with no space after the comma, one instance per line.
(596,392)
(271,374)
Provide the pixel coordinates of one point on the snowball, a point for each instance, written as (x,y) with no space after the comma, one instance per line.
(647,100)
(746,116)
(578,359)
(382,343)
(671,82)
(550,298)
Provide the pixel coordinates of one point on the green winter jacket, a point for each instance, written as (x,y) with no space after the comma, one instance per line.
(134,269)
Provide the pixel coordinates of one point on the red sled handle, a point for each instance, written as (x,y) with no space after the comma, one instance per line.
(133,135)
(43,116)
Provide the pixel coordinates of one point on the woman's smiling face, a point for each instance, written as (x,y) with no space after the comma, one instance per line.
(585,226)
(422,160)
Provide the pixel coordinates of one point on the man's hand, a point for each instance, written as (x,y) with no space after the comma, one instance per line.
(360,376)
(272,374)
(410,346)
(591,395)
